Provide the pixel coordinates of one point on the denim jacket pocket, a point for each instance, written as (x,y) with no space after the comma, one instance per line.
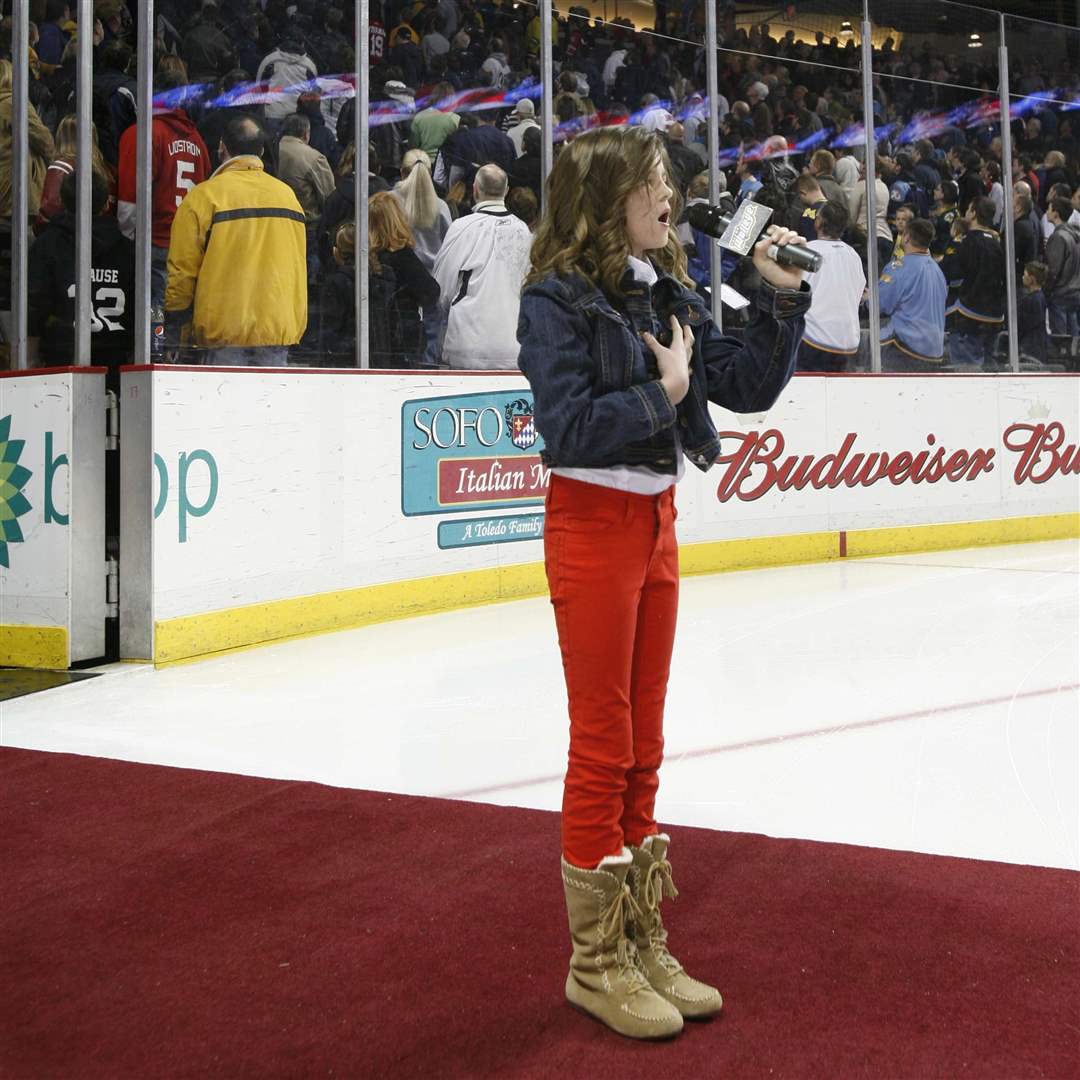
(613,347)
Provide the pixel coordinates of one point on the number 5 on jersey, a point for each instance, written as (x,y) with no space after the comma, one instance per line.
(183,181)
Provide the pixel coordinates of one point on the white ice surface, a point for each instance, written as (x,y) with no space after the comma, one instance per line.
(926,703)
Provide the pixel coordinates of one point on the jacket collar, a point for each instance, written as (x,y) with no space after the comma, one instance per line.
(240,163)
(585,294)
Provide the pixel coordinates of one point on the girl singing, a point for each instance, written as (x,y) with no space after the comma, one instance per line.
(620,410)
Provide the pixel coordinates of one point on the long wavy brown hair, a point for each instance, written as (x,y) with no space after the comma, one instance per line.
(583,229)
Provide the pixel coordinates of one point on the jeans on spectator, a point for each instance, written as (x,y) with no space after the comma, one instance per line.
(312,237)
(159,275)
(967,350)
(434,326)
(894,359)
(813,359)
(1064,317)
(252,356)
(971,347)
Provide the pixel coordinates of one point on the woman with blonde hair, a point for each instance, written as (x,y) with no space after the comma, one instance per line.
(67,145)
(429,217)
(42,150)
(623,359)
(41,153)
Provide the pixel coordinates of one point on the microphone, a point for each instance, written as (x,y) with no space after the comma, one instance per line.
(739,231)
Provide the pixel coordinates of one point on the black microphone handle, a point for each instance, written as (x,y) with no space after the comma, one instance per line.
(797,255)
(712,221)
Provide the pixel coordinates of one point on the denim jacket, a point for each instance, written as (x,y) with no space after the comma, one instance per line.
(598,399)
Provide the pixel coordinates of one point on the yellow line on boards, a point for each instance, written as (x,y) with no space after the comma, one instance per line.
(34,647)
(195,637)
(756,553)
(866,543)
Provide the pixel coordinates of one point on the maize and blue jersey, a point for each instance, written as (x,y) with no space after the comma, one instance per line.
(913,293)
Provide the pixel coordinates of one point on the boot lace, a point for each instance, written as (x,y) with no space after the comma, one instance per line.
(654,888)
(622,908)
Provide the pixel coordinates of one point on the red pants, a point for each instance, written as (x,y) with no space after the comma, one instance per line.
(613,570)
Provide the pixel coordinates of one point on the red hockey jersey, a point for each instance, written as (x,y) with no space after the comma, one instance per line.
(179,161)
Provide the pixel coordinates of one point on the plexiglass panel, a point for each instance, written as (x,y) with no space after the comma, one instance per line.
(455,86)
(644,65)
(1043,103)
(943,287)
(450,89)
(791,112)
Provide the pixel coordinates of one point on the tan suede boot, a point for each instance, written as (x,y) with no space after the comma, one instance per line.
(650,880)
(605,978)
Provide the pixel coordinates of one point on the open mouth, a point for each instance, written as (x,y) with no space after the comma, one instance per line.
(665,216)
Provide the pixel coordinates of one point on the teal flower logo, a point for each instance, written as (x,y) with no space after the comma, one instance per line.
(13,477)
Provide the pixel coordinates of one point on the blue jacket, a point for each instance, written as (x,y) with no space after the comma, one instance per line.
(598,399)
(913,292)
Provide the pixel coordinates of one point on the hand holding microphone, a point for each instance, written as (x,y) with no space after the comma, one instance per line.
(738,230)
(769,258)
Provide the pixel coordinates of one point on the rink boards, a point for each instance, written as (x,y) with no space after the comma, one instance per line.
(264,504)
(53,571)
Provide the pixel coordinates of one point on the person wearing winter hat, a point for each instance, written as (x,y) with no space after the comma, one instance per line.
(657,119)
(524,118)
(397,91)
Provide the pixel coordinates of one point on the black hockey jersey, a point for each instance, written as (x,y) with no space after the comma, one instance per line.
(112,293)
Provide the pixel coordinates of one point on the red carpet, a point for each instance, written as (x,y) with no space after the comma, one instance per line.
(162,922)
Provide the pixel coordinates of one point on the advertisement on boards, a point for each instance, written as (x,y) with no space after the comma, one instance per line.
(468,452)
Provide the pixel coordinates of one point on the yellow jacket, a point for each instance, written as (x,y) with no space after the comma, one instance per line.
(238,260)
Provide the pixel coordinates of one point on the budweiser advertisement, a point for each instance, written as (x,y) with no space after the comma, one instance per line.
(759,462)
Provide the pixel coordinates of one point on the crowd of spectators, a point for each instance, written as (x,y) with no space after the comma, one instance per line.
(258,93)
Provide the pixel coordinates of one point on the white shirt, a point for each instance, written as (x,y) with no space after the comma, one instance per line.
(636,479)
(433,44)
(847,172)
(497,69)
(480,268)
(832,323)
(517,133)
(857,208)
(615,61)
(997,197)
